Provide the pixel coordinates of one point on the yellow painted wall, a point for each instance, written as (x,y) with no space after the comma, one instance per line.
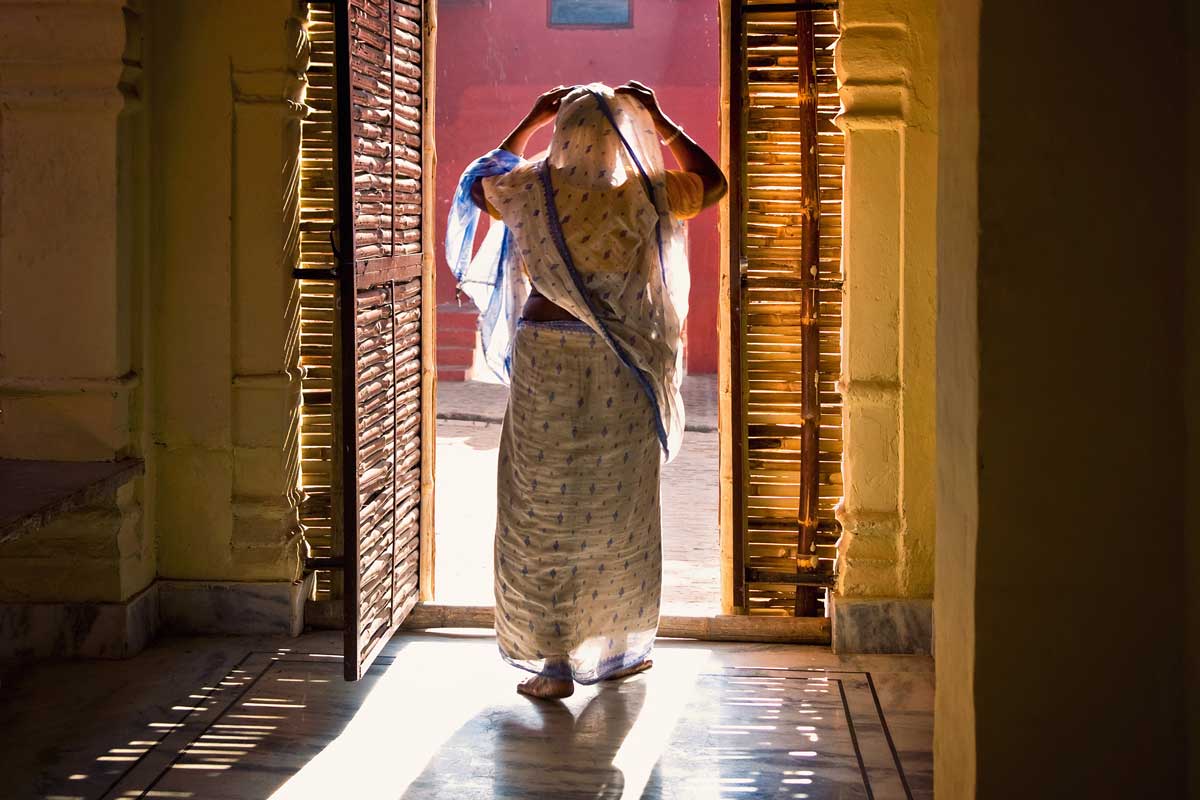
(227,82)
(1061,609)
(73,278)
(146,300)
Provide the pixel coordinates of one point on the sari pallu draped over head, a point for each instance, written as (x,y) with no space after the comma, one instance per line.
(592,226)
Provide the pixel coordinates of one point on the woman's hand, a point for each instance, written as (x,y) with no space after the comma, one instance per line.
(644,95)
(546,107)
(543,112)
(689,155)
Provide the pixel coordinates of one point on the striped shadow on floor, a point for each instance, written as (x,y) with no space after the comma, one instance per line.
(423,724)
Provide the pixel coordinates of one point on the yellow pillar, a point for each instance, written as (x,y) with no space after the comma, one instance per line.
(954,745)
(71,271)
(886,63)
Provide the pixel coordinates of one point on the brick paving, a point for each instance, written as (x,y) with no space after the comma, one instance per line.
(482,401)
(468,426)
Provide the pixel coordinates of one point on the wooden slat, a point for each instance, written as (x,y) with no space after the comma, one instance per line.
(739,319)
(806,597)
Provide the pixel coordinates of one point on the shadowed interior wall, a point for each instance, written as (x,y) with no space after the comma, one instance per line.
(1079,566)
(1192,390)
(228,85)
(73,273)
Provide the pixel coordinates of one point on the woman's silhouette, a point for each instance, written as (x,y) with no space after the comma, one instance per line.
(582,287)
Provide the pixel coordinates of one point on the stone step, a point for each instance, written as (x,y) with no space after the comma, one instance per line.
(456,337)
(455,356)
(451,374)
(457,317)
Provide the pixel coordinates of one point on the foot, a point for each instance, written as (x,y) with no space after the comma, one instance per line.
(545,688)
(641,666)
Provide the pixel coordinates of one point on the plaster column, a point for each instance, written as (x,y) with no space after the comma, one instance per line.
(229,82)
(72,272)
(886,70)
(268,106)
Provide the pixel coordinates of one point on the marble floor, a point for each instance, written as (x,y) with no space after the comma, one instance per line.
(437,717)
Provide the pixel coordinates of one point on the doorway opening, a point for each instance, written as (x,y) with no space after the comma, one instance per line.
(491,67)
(749,508)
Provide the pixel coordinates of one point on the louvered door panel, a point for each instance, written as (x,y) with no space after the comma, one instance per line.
(788,172)
(380,290)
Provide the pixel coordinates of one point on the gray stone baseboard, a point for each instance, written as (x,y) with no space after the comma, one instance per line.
(35,631)
(233,607)
(31,631)
(882,625)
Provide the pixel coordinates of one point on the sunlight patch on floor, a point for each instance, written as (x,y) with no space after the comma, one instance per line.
(396,731)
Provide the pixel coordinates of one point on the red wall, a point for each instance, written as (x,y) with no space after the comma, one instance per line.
(496,56)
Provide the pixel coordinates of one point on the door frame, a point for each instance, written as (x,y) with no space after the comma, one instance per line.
(428,549)
(731,499)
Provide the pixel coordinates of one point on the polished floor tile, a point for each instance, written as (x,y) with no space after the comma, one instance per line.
(437,717)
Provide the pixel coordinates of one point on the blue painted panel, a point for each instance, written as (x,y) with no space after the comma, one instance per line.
(589,12)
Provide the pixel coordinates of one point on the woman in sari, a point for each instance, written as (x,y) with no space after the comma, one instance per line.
(582,285)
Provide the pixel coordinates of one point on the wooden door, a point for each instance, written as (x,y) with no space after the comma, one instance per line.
(380,155)
(785,207)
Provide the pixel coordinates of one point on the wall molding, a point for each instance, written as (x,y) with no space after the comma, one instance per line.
(869,392)
(22,386)
(265,380)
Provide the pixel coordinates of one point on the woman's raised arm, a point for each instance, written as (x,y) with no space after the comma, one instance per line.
(543,112)
(688,154)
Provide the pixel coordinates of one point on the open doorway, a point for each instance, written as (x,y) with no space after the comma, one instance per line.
(749,509)
(491,67)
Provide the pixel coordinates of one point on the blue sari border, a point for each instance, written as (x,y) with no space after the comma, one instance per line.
(564,252)
(487,281)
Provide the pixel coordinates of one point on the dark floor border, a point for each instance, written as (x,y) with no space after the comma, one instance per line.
(883,724)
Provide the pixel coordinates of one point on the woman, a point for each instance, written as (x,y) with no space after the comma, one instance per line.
(594,360)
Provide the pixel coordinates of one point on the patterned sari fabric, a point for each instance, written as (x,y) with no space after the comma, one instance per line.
(578,546)
(594,405)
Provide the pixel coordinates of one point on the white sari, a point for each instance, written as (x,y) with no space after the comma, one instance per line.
(594,406)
